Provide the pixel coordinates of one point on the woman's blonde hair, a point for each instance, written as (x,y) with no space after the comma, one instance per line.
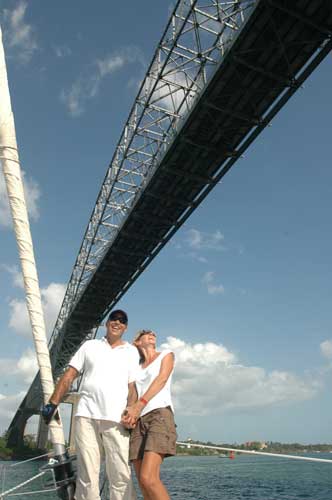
(140,333)
(136,338)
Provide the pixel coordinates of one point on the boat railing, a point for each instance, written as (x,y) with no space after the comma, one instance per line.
(49,482)
(189,444)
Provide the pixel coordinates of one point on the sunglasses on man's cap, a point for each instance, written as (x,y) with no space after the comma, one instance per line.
(120,316)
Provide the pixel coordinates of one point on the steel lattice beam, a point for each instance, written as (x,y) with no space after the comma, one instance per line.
(197,36)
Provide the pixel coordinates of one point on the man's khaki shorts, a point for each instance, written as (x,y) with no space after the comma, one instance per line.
(156,432)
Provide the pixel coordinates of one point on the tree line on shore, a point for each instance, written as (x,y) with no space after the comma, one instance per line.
(266,446)
(30,449)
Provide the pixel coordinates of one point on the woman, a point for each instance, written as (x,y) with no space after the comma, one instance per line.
(154,434)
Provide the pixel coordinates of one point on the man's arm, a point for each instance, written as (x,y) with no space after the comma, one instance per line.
(132,394)
(62,387)
(132,398)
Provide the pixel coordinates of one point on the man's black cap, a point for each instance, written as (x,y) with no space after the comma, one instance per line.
(120,315)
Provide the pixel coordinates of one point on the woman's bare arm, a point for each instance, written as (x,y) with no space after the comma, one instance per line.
(156,385)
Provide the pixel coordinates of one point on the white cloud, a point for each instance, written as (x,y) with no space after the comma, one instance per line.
(62,51)
(8,407)
(19,35)
(112,63)
(208,380)
(208,280)
(32,195)
(199,240)
(170,91)
(25,368)
(200,259)
(52,297)
(23,372)
(15,274)
(75,96)
(326,349)
(86,87)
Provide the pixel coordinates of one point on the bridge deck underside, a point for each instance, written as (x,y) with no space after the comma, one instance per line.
(264,61)
(269,59)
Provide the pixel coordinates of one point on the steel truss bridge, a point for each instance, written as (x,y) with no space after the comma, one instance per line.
(221,72)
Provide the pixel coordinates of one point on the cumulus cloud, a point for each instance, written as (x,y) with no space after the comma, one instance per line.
(326,349)
(25,368)
(8,407)
(16,275)
(52,297)
(22,371)
(87,86)
(32,195)
(171,93)
(19,36)
(209,380)
(212,288)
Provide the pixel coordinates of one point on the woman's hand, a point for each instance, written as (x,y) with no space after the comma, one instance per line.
(131,414)
(127,421)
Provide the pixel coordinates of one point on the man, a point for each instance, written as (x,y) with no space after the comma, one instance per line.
(109,366)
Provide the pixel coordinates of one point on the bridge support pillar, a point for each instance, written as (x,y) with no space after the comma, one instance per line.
(16,430)
(42,435)
(72,398)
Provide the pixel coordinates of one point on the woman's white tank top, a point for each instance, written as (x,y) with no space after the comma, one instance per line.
(146,376)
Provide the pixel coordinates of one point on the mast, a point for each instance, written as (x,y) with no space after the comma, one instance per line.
(13,179)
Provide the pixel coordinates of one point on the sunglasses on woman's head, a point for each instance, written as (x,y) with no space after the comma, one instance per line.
(147,332)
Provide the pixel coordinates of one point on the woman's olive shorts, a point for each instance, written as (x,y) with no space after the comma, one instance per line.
(155,431)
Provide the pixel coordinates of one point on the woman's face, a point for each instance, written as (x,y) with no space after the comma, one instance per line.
(148,338)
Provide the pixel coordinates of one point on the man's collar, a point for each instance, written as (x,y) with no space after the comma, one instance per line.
(125,343)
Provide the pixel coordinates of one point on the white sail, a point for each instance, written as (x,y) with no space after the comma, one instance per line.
(12,173)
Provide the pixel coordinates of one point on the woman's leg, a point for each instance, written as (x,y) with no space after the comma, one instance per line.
(137,466)
(149,476)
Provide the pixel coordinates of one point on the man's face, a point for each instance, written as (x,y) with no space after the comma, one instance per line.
(115,328)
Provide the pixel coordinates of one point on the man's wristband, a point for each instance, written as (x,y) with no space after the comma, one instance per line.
(144,401)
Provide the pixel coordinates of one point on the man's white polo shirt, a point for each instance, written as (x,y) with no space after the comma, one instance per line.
(107,372)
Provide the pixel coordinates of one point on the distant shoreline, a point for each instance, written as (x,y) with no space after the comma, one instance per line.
(29,450)
(267,447)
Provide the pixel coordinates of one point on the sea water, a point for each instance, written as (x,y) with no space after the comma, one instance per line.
(247,477)
(214,478)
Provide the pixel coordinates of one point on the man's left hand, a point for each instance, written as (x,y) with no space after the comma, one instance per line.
(49,411)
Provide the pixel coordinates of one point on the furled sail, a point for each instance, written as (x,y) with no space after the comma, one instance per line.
(13,179)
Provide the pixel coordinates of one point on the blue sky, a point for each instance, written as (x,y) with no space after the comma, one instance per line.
(243,291)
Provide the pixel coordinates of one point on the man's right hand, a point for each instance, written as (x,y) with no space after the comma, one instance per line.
(126,421)
(49,411)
